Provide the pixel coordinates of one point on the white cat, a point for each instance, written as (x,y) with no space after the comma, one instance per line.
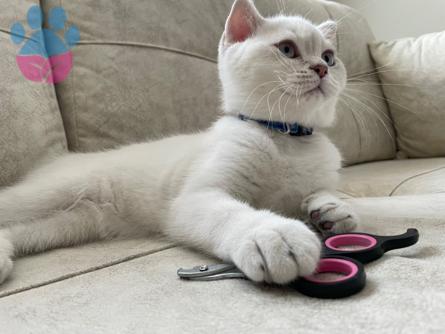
(235,191)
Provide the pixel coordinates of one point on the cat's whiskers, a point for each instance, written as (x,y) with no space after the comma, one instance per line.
(375,73)
(380,109)
(285,91)
(367,71)
(305,15)
(384,98)
(376,113)
(277,73)
(287,66)
(262,98)
(280,87)
(298,94)
(370,83)
(289,97)
(356,116)
(361,121)
(254,90)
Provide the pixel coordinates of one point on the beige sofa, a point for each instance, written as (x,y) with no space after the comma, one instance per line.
(145,69)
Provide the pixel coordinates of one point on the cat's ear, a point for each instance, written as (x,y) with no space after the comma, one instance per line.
(243,21)
(329,31)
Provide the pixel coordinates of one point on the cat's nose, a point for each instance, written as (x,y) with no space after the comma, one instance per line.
(320,69)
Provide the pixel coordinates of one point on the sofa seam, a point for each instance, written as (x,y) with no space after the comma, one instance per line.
(68,137)
(412,178)
(75,118)
(9,32)
(150,46)
(58,97)
(79,273)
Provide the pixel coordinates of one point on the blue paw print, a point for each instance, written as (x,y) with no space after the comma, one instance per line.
(45,42)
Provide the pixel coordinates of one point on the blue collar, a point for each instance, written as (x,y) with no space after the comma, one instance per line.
(293,129)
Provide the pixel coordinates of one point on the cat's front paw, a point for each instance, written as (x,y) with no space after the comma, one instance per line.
(331,215)
(278,252)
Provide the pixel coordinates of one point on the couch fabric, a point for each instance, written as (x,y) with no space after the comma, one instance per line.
(31,128)
(145,69)
(411,71)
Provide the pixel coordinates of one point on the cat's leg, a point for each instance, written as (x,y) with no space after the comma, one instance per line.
(35,198)
(264,245)
(36,216)
(83,222)
(328,214)
(6,253)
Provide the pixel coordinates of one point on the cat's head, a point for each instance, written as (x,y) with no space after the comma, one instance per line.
(282,68)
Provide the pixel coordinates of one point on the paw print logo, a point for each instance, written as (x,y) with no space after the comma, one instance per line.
(45,56)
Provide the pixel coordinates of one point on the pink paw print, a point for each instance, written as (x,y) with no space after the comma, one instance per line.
(45,57)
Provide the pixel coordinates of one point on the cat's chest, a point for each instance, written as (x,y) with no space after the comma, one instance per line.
(299,168)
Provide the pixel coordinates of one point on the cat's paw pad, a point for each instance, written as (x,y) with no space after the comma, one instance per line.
(278,252)
(332,217)
(5,267)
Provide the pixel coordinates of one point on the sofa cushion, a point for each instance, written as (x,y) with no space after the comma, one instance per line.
(145,295)
(61,264)
(142,70)
(413,78)
(146,69)
(31,128)
(393,178)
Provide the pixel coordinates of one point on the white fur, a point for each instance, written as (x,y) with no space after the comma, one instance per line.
(238,191)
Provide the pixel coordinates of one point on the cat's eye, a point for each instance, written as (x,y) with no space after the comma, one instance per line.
(329,57)
(288,49)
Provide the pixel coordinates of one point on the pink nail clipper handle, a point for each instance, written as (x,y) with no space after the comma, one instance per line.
(342,240)
(346,268)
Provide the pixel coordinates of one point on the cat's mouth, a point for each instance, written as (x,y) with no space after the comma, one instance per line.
(298,91)
(315,90)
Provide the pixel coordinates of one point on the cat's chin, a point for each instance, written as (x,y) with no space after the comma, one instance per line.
(317,91)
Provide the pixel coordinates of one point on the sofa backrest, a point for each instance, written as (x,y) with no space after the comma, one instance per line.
(147,69)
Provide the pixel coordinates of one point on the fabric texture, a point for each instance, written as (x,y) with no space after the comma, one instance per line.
(147,69)
(145,294)
(411,71)
(31,128)
(83,289)
(394,178)
(62,264)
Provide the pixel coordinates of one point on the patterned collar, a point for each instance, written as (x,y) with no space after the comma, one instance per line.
(293,129)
